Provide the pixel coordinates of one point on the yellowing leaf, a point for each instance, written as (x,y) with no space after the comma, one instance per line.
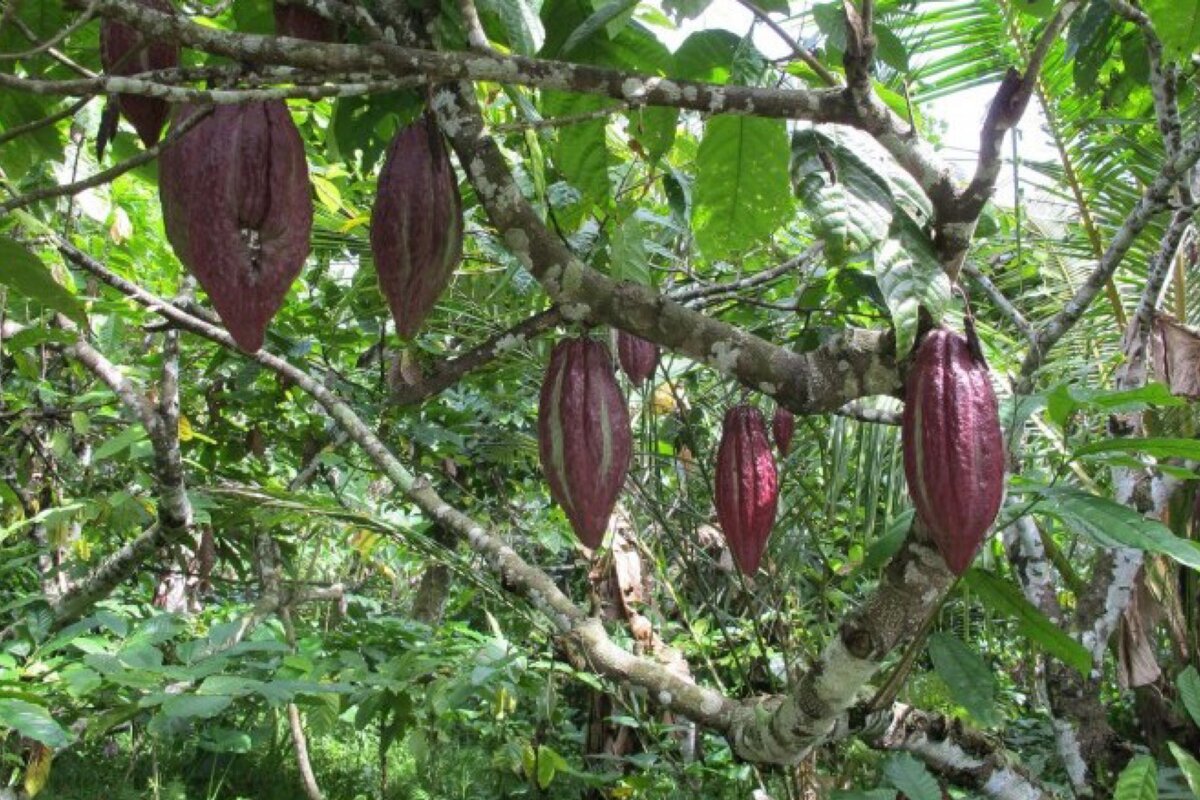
(354,222)
(663,400)
(121,230)
(37,771)
(185,429)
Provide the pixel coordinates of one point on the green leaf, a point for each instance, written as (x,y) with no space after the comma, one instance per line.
(971,681)
(1157,447)
(628,260)
(598,21)
(1064,400)
(741,194)
(199,706)
(863,794)
(225,740)
(707,56)
(521,23)
(1177,23)
(1006,599)
(1138,781)
(581,149)
(122,441)
(908,282)
(1189,766)
(911,777)
(1110,524)
(1189,692)
(33,721)
(26,275)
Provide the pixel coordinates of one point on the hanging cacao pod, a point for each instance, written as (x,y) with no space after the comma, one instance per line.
(953,447)
(237,208)
(638,357)
(416,224)
(120,55)
(584,438)
(303,23)
(747,486)
(783,426)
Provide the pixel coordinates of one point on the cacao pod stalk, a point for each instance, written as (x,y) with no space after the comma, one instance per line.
(953,447)
(584,439)
(122,52)
(237,207)
(638,357)
(416,224)
(783,426)
(747,486)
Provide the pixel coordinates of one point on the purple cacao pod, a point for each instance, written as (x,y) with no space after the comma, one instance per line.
(237,207)
(638,357)
(584,438)
(747,486)
(120,55)
(783,425)
(416,224)
(953,447)
(303,23)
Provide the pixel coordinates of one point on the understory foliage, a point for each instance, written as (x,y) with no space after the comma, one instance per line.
(334,568)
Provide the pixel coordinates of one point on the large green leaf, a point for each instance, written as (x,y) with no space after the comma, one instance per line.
(24,273)
(1111,524)
(1177,23)
(1189,692)
(1189,766)
(741,194)
(33,721)
(971,681)
(581,149)
(1138,781)
(1006,599)
(1157,447)
(911,777)
(909,279)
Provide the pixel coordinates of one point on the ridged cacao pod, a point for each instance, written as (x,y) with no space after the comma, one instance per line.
(237,207)
(416,224)
(584,438)
(638,357)
(747,486)
(953,447)
(303,23)
(119,54)
(783,426)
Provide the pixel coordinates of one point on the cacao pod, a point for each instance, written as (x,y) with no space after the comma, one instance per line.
(783,426)
(303,23)
(237,208)
(747,486)
(953,447)
(584,439)
(122,53)
(416,224)
(638,357)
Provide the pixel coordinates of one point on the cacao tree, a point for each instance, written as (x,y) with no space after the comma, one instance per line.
(381,388)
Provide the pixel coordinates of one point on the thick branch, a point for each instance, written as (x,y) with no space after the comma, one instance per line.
(855,364)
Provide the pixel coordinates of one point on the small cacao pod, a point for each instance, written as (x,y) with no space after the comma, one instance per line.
(122,52)
(416,224)
(638,357)
(237,207)
(303,23)
(584,439)
(747,486)
(953,447)
(783,425)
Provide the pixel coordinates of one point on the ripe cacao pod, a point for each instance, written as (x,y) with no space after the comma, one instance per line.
(416,224)
(237,208)
(303,23)
(120,55)
(953,447)
(638,356)
(584,438)
(783,426)
(747,486)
